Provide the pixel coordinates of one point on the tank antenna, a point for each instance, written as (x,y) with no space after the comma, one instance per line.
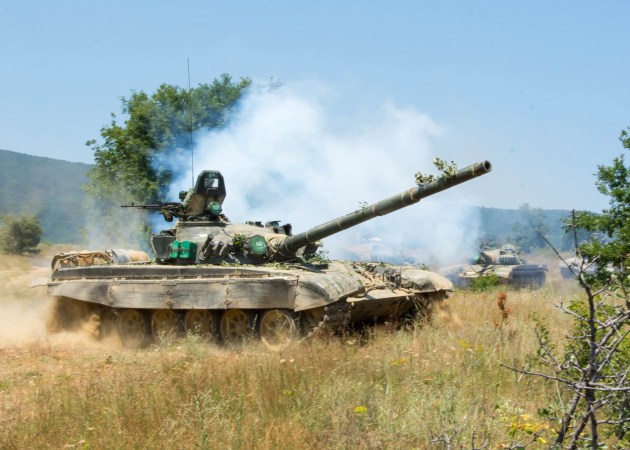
(190,117)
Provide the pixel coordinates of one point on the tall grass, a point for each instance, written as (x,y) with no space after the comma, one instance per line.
(433,385)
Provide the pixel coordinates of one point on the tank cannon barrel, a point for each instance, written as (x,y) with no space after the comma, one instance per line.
(393,203)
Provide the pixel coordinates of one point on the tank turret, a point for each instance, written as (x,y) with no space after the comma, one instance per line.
(205,236)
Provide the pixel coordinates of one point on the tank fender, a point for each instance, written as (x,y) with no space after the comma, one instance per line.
(191,293)
(87,292)
(424,281)
(531,268)
(315,290)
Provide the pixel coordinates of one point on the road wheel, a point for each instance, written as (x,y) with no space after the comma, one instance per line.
(278,328)
(200,322)
(163,324)
(132,328)
(236,326)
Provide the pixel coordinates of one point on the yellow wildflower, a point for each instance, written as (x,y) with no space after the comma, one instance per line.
(400,362)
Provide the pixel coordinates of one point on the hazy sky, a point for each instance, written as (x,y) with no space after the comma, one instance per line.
(541,89)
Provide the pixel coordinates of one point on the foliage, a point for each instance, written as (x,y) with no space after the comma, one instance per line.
(239,242)
(484,283)
(527,232)
(595,366)
(618,405)
(609,245)
(20,234)
(132,158)
(608,310)
(362,206)
(446,170)
(316,254)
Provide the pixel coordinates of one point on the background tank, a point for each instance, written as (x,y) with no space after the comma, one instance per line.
(503,262)
(231,281)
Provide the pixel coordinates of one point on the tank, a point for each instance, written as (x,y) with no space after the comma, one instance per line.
(504,263)
(235,281)
(570,267)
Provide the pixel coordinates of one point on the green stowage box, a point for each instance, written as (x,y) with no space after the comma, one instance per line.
(183,250)
(187,250)
(174,250)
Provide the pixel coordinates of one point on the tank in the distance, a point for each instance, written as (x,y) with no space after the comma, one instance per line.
(233,281)
(504,263)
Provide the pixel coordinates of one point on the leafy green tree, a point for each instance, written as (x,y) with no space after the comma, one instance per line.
(610,245)
(608,290)
(20,234)
(594,366)
(129,161)
(134,159)
(527,232)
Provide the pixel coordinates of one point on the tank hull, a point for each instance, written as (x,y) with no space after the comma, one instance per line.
(517,276)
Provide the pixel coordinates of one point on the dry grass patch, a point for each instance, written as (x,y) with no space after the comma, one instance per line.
(387,388)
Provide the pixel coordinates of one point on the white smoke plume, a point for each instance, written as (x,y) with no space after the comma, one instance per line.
(286,157)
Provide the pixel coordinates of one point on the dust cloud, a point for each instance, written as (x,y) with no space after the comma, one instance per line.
(25,308)
(288,156)
(21,322)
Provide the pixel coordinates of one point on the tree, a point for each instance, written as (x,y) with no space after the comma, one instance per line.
(130,161)
(20,234)
(134,161)
(594,367)
(612,248)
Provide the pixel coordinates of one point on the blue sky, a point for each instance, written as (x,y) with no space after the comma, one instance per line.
(541,89)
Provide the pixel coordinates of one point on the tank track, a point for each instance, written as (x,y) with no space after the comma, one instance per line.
(336,319)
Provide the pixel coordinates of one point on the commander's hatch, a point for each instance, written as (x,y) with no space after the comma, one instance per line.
(209,187)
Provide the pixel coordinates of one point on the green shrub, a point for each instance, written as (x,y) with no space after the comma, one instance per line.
(20,234)
(484,283)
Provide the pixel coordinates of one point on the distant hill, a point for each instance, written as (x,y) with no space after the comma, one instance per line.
(50,189)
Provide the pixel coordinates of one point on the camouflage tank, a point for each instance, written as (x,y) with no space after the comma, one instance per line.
(232,281)
(570,267)
(504,263)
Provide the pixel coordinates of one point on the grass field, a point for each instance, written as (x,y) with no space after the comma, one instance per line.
(439,385)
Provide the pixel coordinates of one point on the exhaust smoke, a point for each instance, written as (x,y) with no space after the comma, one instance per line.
(286,157)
